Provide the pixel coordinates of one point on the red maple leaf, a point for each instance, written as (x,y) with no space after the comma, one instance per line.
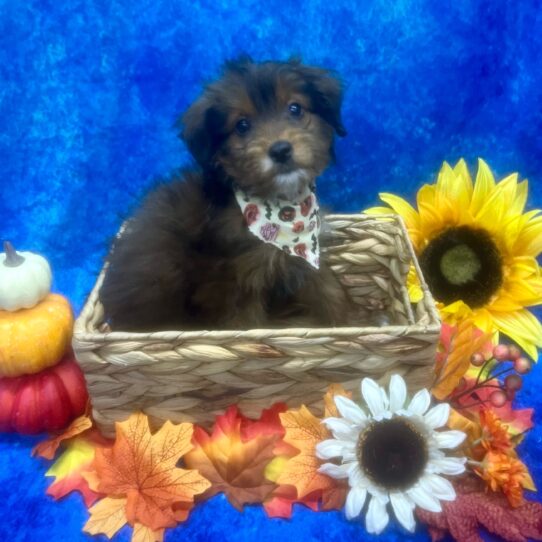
(74,482)
(284,497)
(234,466)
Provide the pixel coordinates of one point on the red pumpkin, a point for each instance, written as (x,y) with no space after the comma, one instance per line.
(45,401)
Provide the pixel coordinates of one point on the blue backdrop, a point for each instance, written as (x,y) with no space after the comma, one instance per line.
(90,91)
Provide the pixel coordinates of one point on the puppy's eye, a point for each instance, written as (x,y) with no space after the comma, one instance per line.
(242,126)
(295,110)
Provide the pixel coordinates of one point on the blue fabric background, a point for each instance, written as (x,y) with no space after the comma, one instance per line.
(90,90)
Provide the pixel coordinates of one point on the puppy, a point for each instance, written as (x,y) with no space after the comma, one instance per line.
(194,256)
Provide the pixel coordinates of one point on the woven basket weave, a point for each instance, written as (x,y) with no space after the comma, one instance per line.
(194,375)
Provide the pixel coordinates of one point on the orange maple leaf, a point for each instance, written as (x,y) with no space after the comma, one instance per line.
(457,347)
(235,467)
(109,515)
(142,468)
(304,431)
(47,449)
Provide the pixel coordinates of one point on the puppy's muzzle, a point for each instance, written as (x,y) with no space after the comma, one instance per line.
(281,151)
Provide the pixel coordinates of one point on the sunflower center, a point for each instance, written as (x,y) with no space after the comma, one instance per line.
(392,453)
(462,263)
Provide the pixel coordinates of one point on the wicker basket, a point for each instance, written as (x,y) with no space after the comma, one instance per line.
(194,375)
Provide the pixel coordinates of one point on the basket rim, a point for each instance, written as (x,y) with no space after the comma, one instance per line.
(433,325)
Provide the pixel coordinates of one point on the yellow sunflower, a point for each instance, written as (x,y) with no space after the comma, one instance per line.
(477,248)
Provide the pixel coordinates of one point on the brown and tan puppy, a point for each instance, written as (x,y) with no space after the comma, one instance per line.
(187,259)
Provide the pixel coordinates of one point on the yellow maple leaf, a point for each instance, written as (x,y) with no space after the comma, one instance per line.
(330,409)
(107,516)
(78,453)
(304,431)
(472,429)
(142,533)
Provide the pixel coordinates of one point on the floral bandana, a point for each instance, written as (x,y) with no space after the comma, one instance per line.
(292,227)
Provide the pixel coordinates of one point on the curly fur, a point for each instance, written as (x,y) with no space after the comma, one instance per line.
(186,259)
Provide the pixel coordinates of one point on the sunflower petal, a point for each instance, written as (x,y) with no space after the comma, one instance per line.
(355,501)
(483,187)
(449,439)
(398,393)
(456,187)
(403,208)
(461,169)
(331,448)
(529,240)
(377,211)
(341,429)
(522,193)
(424,499)
(523,328)
(377,516)
(372,393)
(420,403)
(437,416)
(438,487)
(355,476)
(451,466)
(349,410)
(403,509)
(335,471)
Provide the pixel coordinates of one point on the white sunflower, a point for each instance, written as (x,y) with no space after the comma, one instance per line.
(394,455)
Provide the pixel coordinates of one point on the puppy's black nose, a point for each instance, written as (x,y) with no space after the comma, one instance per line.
(281,151)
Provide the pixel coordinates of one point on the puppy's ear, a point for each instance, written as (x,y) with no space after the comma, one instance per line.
(241,64)
(326,94)
(202,130)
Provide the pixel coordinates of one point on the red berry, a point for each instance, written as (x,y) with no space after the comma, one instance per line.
(498,398)
(501,352)
(513,382)
(477,359)
(510,394)
(522,366)
(515,352)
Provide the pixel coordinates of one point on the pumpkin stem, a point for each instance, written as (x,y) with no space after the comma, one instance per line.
(13,259)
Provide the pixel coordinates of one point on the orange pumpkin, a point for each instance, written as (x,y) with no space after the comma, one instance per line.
(47,401)
(36,338)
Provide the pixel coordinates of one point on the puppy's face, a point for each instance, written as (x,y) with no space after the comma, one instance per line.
(267,126)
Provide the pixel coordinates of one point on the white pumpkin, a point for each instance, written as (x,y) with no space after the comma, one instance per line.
(25,279)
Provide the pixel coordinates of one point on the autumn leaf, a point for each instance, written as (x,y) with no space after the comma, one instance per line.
(69,470)
(296,462)
(107,516)
(471,428)
(142,468)
(475,509)
(518,421)
(142,533)
(304,431)
(267,424)
(234,467)
(47,449)
(457,347)
(280,504)
(330,409)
